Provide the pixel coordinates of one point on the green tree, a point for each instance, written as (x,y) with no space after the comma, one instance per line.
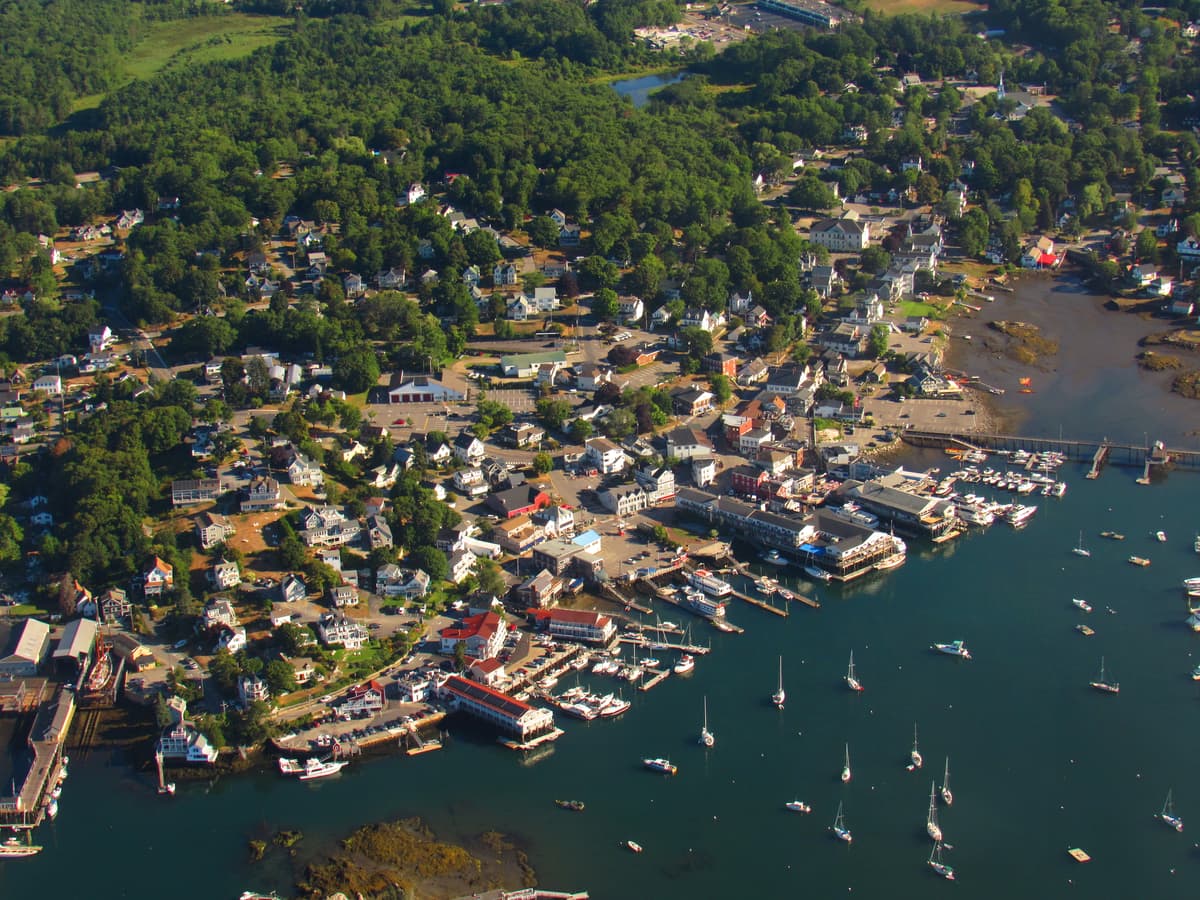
(877,343)
(604,304)
(581,429)
(543,232)
(432,561)
(543,463)
(356,370)
(491,578)
(279,676)
(721,388)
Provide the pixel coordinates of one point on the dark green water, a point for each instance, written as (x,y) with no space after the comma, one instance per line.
(1039,762)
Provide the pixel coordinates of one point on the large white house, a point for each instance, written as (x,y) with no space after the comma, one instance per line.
(421,389)
(605,455)
(841,235)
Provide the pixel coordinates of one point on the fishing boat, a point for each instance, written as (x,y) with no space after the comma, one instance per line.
(931,823)
(1082,604)
(798,806)
(765,586)
(1102,683)
(1139,561)
(774,558)
(935,862)
(572,805)
(846,767)
(1168,814)
(954,648)
(662,766)
(780,694)
(915,755)
(321,768)
(1085,630)
(818,574)
(947,797)
(1079,549)
(852,681)
(634,846)
(1112,535)
(14,848)
(1160,536)
(707,738)
(686,663)
(839,829)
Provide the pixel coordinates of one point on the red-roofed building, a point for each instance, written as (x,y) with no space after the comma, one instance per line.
(486,671)
(575,625)
(501,710)
(482,635)
(362,700)
(158,578)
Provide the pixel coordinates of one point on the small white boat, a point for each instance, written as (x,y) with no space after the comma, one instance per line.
(686,663)
(663,766)
(14,848)
(935,862)
(931,824)
(634,846)
(289,766)
(780,694)
(947,797)
(852,681)
(798,806)
(52,808)
(954,648)
(1168,814)
(774,558)
(1082,604)
(839,829)
(818,574)
(915,755)
(1196,674)
(765,586)
(1196,544)
(1079,549)
(1160,536)
(846,768)
(321,768)
(707,738)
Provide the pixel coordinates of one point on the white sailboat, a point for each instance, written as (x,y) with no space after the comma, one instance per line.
(852,681)
(915,755)
(947,797)
(1168,814)
(846,767)
(1104,684)
(780,694)
(707,738)
(935,862)
(1079,549)
(839,829)
(931,825)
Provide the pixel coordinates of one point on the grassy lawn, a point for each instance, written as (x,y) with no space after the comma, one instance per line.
(947,7)
(917,308)
(24,609)
(198,40)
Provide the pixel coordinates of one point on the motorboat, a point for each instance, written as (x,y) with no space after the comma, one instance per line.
(765,586)
(686,663)
(1139,561)
(1082,604)
(1085,630)
(1196,674)
(1112,535)
(818,574)
(572,805)
(774,558)
(321,768)
(954,648)
(798,806)
(634,846)
(662,766)
(1160,536)
(14,848)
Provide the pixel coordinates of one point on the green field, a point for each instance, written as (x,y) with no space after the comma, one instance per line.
(946,7)
(185,41)
(917,308)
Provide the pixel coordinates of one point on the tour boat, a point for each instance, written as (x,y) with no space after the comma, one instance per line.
(1079,549)
(1082,604)
(707,738)
(852,681)
(1139,561)
(634,846)
(798,806)
(935,862)
(947,797)
(1103,684)
(660,765)
(572,805)
(709,583)
(698,602)
(289,766)
(321,768)
(818,574)
(915,755)
(954,648)
(839,829)
(686,663)
(1168,814)
(14,848)
(780,694)
(1160,536)
(774,558)
(846,767)
(931,824)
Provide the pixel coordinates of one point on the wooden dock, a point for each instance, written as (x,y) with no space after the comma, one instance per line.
(628,602)
(659,678)
(807,601)
(1134,455)
(761,604)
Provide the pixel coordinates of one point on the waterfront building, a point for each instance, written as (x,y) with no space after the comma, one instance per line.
(576,625)
(76,645)
(363,700)
(910,512)
(507,713)
(482,635)
(181,739)
(542,590)
(488,672)
(657,481)
(555,556)
(518,534)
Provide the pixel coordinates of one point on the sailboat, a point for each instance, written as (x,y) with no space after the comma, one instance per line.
(707,738)
(915,755)
(1103,684)
(935,862)
(947,797)
(1168,814)
(780,694)
(839,829)
(846,767)
(931,825)
(852,681)
(1079,549)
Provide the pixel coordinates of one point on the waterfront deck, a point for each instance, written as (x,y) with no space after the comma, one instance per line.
(1133,455)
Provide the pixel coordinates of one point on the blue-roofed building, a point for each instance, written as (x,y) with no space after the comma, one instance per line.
(589,541)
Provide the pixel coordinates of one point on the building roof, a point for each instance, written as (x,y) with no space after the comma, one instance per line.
(524,360)
(575,616)
(687,437)
(516,498)
(557,549)
(77,640)
(485,696)
(587,537)
(482,626)
(30,640)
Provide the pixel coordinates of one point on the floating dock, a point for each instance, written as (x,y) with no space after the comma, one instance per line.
(659,678)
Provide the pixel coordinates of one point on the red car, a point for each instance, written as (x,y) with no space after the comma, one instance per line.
(398,422)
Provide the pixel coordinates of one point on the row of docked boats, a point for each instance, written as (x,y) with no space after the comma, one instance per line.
(579,703)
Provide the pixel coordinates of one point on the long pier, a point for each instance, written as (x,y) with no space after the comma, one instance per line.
(761,604)
(1098,461)
(1135,455)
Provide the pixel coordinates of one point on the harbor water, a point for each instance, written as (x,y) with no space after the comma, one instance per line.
(1039,762)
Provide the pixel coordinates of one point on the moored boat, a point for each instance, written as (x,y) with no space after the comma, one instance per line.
(780,694)
(1082,604)
(707,738)
(1085,630)
(774,558)
(935,862)
(839,829)
(1112,535)
(915,755)
(321,768)
(709,583)
(686,663)
(1168,814)
(931,823)
(701,604)
(1160,536)
(1103,684)
(662,766)
(572,805)
(289,766)
(947,796)
(954,648)
(1139,561)
(846,774)
(852,681)
(634,846)
(818,574)
(798,806)
(1079,549)
(14,848)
